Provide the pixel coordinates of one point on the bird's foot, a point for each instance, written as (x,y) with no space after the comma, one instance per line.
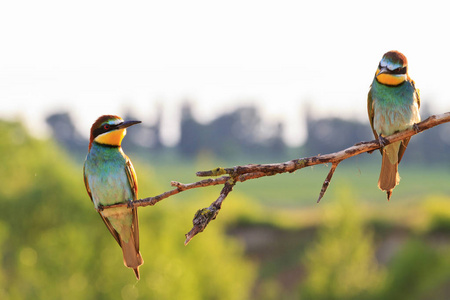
(130,204)
(382,141)
(100,208)
(416,128)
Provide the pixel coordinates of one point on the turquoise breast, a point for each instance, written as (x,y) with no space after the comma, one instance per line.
(106,175)
(395,108)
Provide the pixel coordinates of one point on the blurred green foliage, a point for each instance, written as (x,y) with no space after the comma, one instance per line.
(53,245)
(341,263)
(418,271)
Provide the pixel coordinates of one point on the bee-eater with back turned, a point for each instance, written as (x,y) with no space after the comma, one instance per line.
(110,179)
(393,105)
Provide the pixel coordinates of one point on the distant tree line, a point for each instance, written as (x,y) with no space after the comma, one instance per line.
(242,133)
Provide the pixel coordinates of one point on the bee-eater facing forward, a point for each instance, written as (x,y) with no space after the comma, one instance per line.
(110,178)
(393,105)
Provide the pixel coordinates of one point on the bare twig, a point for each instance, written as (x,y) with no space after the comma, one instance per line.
(150,201)
(327,181)
(253,171)
(204,216)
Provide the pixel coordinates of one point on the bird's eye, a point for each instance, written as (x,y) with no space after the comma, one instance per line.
(400,70)
(106,126)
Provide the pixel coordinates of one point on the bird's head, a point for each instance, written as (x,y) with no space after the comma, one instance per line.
(393,69)
(109,130)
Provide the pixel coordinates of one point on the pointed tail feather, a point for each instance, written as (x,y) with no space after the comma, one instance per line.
(389,194)
(132,257)
(136,272)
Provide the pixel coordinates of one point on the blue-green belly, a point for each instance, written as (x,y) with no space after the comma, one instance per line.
(105,171)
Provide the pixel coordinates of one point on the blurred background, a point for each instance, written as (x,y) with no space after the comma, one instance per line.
(220,84)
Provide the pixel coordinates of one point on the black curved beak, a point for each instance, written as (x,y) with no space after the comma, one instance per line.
(382,71)
(127,124)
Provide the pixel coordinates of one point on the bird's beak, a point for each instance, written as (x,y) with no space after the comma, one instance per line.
(127,124)
(382,71)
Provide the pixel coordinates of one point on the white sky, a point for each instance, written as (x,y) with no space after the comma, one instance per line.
(98,57)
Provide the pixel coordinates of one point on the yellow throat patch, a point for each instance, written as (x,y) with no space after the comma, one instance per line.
(113,138)
(390,79)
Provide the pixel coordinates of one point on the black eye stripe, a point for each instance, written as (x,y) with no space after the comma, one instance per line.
(399,71)
(98,131)
(102,129)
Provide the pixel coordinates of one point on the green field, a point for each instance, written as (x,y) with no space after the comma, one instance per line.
(290,200)
(303,187)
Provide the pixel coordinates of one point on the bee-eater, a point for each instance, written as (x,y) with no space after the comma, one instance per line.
(393,105)
(110,179)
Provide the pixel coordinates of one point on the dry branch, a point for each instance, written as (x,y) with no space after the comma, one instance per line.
(204,216)
(253,171)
